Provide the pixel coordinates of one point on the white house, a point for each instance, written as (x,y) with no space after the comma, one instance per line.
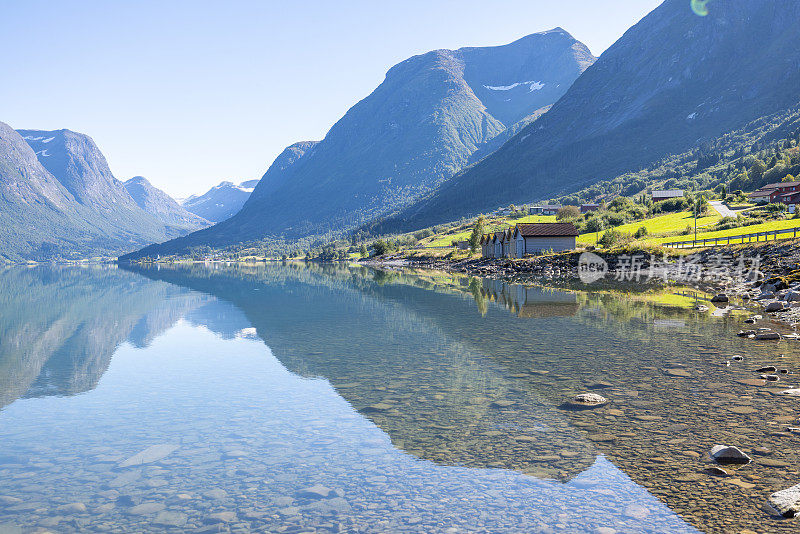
(667,194)
(534,238)
(548,209)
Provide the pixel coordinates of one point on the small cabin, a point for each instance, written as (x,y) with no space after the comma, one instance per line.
(535,238)
(497,240)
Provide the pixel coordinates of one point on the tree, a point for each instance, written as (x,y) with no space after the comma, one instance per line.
(363,251)
(380,247)
(477,232)
(568,212)
(757,170)
(788,178)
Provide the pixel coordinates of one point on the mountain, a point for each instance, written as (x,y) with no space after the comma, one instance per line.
(162,206)
(670,83)
(427,120)
(58,199)
(221,202)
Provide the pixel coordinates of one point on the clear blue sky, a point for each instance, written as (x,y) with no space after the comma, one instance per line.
(190,93)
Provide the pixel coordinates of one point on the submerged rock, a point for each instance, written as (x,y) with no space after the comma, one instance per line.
(716,471)
(584,401)
(317,491)
(150,455)
(726,454)
(786,502)
(767,369)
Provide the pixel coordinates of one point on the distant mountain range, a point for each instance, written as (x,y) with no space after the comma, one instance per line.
(671,82)
(221,202)
(162,206)
(432,115)
(58,199)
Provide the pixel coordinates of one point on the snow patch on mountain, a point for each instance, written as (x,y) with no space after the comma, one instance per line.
(533,85)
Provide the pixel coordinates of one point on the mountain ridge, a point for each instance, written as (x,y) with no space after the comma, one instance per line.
(670,82)
(419,127)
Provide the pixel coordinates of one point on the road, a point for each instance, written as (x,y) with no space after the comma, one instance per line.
(723,210)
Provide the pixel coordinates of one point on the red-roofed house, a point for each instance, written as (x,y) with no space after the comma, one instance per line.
(777,192)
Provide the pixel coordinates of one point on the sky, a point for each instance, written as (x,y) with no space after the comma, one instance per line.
(191,93)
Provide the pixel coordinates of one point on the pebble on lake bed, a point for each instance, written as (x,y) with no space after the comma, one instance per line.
(584,401)
(786,502)
(725,454)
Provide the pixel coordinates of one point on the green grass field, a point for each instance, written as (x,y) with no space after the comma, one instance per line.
(765,227)
(658,226)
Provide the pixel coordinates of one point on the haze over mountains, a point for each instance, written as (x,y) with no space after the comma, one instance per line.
(58,199)
(427,120)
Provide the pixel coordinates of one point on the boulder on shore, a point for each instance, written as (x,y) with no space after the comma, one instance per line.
(722,297)
(774,306)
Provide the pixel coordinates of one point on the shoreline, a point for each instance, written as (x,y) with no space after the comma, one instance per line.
(768,281)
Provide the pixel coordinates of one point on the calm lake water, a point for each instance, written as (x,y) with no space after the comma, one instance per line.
(342,399)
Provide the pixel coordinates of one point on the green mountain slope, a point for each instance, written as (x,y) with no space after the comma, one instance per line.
(670,83)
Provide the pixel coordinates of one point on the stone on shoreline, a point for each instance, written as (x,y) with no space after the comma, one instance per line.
(766,336)
(774,306)
(722,297)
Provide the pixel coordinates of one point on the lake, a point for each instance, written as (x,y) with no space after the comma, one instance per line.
(293,398)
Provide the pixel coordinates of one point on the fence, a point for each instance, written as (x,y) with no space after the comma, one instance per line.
(735,239)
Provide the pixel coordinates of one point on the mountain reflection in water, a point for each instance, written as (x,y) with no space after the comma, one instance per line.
(357,359)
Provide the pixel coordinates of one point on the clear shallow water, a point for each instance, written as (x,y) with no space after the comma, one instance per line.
(415,402)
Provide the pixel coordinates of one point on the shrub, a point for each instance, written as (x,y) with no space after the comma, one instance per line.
(775,207)
(671,205)
(640,233)
(613,237)
(568,212)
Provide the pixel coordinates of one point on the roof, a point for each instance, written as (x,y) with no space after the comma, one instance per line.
(668,193)
(760,193)
(547,229)
(547,206)
(778,185)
